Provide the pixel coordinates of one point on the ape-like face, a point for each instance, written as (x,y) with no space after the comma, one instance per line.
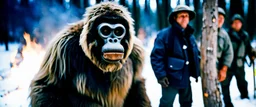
(112,34)
(107,35)
(109,42)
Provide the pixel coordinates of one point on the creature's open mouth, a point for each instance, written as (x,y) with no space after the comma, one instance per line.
(113,56)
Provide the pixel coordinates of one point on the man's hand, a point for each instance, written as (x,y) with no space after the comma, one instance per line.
(222,73)
(164,82)
(253,54)
(252,58)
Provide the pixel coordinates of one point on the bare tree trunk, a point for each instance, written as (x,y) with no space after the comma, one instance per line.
(24,2)
(222,4)
(236,6)
(76,3)
(251,28)
(210,89)
(159,14)
(60,1)
(167,9)
(198,18)
(122,2)
(86,3)
(187,2)
(136,15)
(4,22)
(147,8)
(145,17)
(163,10)
(98,1)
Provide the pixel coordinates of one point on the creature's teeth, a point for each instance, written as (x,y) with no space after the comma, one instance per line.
(113,55)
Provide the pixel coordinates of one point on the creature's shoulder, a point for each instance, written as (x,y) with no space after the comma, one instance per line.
(73,29)
(68,34)
(138,48)
(70,38)
(66,43)
(137,57)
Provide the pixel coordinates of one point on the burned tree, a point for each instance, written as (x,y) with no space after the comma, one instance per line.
(210,89)
(198,19)
(163,9)
(251,25)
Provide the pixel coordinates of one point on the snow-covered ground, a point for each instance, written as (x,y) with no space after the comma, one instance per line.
(14,88)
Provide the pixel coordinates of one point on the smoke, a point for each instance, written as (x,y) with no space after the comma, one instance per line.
(50,18)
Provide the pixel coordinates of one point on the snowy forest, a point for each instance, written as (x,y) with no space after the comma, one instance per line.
(42,16)
(27,27)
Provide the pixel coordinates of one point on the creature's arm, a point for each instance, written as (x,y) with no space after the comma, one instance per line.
(54,97)
(52,86)
(42,96)
(137,96)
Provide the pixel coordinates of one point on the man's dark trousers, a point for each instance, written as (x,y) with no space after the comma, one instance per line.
(242,84)
(169,94)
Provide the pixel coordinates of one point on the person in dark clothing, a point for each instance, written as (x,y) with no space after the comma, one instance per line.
(175,57)
(241,47)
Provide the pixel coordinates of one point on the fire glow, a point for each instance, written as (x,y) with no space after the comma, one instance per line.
(25,63)
(30,55)
(29,59)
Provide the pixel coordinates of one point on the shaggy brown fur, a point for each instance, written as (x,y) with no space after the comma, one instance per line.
(73,73)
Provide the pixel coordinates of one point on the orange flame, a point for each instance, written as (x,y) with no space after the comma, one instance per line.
(30,50)
(26,63)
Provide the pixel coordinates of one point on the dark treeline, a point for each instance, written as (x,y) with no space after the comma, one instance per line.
(44,18)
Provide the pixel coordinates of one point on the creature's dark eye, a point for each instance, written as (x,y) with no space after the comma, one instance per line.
(105,30)
(119,31)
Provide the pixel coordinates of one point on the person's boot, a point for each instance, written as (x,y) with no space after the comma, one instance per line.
(229,105)
(244,97)
(186,105)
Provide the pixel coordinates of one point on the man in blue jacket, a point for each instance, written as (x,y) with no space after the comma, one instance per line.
(175,57)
